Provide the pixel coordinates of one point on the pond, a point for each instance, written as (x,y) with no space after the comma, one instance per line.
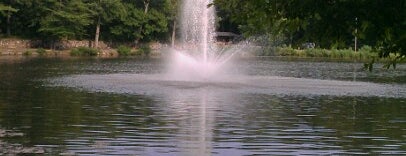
(67,106)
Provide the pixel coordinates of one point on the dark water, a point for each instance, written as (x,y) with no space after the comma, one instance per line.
(36,117)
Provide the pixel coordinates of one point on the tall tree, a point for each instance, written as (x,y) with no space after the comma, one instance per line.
(171,6)
(328,23)
(106,11)
(25,22)
(146,6)
(7,11)
(67,20)
(142,21)
(127,28)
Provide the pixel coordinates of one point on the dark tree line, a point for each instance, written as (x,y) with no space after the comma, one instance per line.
(328,23)
(110,20)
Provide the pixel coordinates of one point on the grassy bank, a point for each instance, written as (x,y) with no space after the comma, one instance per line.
(14,46)
(363,54)
(142,51)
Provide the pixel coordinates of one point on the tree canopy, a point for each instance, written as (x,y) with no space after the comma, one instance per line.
(122,20)
(328,23)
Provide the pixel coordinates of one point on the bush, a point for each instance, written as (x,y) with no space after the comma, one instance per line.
(286,51)
(144,49)
(311,52)
(347,53)
(325,53)
(267,51)
(84,51)
(365,48)
(334,53)
(27,53)
(364,53)
(124,50)
(41,51)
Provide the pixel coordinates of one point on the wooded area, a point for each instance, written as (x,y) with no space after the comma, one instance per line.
(109,20)
(327,23)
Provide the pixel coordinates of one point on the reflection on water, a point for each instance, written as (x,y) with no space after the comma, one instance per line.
(190,121)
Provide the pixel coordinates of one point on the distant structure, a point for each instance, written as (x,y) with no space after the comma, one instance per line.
(308,45)
(227,37)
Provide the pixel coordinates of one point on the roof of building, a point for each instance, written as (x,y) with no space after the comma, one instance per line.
(226,34)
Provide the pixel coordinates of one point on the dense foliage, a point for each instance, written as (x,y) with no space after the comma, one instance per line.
(118,20)
(327,23)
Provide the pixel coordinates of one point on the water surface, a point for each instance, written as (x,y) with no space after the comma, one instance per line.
(90,107)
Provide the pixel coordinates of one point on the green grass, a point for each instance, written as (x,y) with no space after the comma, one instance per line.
(144,49)
(41,51)
(84,51)
(365,53)
(27,53)
(123,50)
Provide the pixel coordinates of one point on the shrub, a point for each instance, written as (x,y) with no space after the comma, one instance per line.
(286,51)
(325,53)
(137,53)
(41,51)
(266,51)
(348,53)
(301,53)
(366,48)
(312,52)
(144,49)
(334,53)
(365,53)
(124,50)
(84,51)
(27,53)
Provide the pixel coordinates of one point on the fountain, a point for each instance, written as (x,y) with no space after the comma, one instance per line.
(197,58)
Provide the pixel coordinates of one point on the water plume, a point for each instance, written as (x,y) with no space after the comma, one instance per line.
(197,58)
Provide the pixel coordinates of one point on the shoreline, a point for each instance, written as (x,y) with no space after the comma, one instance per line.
(66,56)
(11,48)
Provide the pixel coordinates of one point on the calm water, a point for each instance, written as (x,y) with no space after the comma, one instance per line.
(115,116)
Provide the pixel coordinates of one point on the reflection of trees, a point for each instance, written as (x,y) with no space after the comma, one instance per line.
(7,148)
(26,104)
(357,121)
(293,120)
(368,115)
(52,115)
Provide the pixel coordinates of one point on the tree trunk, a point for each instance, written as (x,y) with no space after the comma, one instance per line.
(146,5)
(173,34)
(8,24)
(97,35)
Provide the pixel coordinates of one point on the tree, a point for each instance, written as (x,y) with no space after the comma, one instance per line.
(7,11)
(67,20)
(254,18)
(25,22)
(171,6)
(106,11)
(142,21)
(126,28)
(387,30)
(5,8)
(328,23)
